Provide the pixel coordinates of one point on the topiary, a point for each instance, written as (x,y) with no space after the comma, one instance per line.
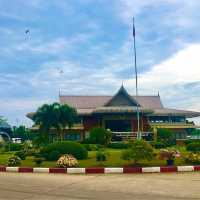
(67,161)
(14,161)
(53,155)
(65,147)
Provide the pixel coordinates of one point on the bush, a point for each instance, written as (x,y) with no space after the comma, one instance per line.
(138,150)
(192,158)
(65,147)
(166,136)
(21,155)
(54,155)
(193,147)
(67,161)
(118,145)
(90,147)
(101,155)
(13,147)
(100,136)
(14,161)
(38,161)
(158,145)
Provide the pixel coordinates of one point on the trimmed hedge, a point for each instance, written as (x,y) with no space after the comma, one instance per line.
(65,147)
(118,145)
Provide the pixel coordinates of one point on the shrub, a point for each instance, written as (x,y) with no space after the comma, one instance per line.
(118,145)
(54,155)
(138,150)
(158,145)
(166,136)
(90,147)
(67,161)
(38,161)
(192,158)
(100,136)
(193,147)
(13,147)
(21,155)
(65,147)
(101,155)
(14,161)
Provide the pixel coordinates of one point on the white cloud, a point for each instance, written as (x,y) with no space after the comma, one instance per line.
(177,79)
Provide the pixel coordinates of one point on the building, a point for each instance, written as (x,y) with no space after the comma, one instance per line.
(118,113)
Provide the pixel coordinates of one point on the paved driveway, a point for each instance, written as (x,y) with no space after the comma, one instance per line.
(102,187)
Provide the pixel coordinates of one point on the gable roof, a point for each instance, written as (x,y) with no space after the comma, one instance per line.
(122,98)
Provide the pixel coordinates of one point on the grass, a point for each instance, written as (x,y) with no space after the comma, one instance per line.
(114,160)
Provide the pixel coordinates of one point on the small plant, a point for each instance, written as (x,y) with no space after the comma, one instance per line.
(192,158)
(138,150)
(38,160)
(67,161)
(101,155)
(21,155)
(14,161)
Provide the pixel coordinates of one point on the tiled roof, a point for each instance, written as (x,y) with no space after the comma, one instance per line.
(81,102)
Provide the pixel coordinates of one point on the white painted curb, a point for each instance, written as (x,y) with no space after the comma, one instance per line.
(113,170)
(41,170)
(150,169)
(76,170)
(185,168)
(12,169)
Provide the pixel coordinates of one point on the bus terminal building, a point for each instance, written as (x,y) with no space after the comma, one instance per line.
(119,114)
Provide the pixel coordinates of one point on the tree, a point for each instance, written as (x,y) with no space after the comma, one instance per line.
(166,136)
(138,150)
(100,136)
(54,116)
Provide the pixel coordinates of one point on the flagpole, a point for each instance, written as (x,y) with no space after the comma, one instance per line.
(136,84)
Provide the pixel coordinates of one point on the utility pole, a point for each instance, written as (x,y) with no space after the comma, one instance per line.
(136,84)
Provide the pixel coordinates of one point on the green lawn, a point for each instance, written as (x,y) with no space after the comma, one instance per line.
(114,160)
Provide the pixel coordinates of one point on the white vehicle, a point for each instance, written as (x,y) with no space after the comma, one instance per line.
(17,140)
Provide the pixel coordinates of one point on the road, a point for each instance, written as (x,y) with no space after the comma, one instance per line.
(170,186)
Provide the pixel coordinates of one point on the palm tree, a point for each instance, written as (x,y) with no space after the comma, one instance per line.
(54,116)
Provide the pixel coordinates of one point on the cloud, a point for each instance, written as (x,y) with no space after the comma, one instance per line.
(177,79)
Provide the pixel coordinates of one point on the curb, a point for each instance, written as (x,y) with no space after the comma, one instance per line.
(101,170)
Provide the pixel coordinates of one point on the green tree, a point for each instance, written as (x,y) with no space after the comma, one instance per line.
(100,136)
(166,136)
(138,150)
(54,116)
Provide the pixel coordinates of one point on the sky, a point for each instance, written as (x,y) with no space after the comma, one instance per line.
(91,42)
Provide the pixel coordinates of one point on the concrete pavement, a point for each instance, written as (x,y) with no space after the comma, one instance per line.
(170,186)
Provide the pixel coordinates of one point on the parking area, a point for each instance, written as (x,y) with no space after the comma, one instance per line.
(169,186)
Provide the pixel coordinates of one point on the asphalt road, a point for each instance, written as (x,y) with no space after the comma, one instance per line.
(101,187)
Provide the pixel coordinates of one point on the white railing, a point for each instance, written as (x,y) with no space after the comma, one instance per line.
(130,135)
